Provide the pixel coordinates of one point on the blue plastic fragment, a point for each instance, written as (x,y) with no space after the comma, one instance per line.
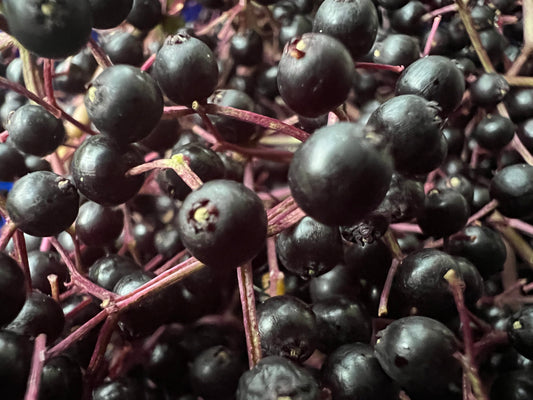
(191,11)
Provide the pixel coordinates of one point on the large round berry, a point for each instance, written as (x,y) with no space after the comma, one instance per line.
(34,130)
(99,169)
(512,187)
(49,28)
(337,176)
(186,69)
(353,22)
(315,74)
(419,354)
(223,223)
(109,13)
(435,78)
(43,203)
(124,103)
(12,289)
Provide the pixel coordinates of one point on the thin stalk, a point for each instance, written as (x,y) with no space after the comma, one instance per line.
(431,36)
(22,254)
(37,363)
(251,329)
(8,230)
(276,285)
(99,54)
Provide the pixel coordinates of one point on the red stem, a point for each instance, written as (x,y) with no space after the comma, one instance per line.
(37,363)
(251,329)
(148,63)
(78,279)
(22,254)
(431,36)
(99,54)
(48,83)
(384,67)
(77,335)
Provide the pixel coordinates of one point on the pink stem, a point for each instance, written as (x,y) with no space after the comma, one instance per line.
(37,363)
(384,67)
(431,36)
(285,222)
(251,329)
(8,230)
(99,54)
(78,279)
(48,84)
(153,263)
(174,112)
(22,254)
(405,227)
(3,136)
(258,119)
(148,63)
(275,286)
(487,208)
(439,11)
(384,298)
(171,262)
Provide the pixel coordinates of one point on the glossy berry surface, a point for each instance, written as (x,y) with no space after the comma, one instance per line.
(97,225)
(436,78)
(222,223)
(314,74)
(108,270)
(512,186)
(108,14)
(15,360)
(277,377)
(353,371)
(12,289)
(420,287)
(494,132)
(61,379)
(99,169)
(520,331)
(488,90)
(43,203)
(124,103)
(12,164)
(287,327)
(34,130)
(43,264)
(309,248)
(52,29)
(186,69)
(352,22)
(416,350)
(339,154)
(445,211)
(40,314)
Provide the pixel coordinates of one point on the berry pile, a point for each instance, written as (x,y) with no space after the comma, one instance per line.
(268,200)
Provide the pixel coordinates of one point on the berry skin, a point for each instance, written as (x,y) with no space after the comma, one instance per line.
(352,22)
(33,130)
(223,223)
(43,203)
(49,28)
(287,327)
(520,331)
(436,78)
(124,103)
(337,176)
(512,186)
(418,353)
(277,378)
(12,289)
(186,69)
(109,13)
(15,361)
(99,169)
(315,73)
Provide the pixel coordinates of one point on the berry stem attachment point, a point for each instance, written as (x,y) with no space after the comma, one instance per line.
(384,67)
(276,285)
(251,329)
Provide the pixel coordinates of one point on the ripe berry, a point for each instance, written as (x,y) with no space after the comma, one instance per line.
(145,14)
(287,327)
(418,353)
(108,270)
(436,78)
(12,289)
(352,22)
(494,132)
(278,378)
(186,69)
(488,90)
(353,372)
(99,169)
(61,379)
(43,264)
(445,211)
(314,74)
(223,223)
(124,103)
(51,29)
(520,331)
(246,48)
(513,188)
(97,225)
(12,164)
(337,177)
(109,13)
(34,130)
(42,203)
(123,48)
(309,248)
(15,360)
